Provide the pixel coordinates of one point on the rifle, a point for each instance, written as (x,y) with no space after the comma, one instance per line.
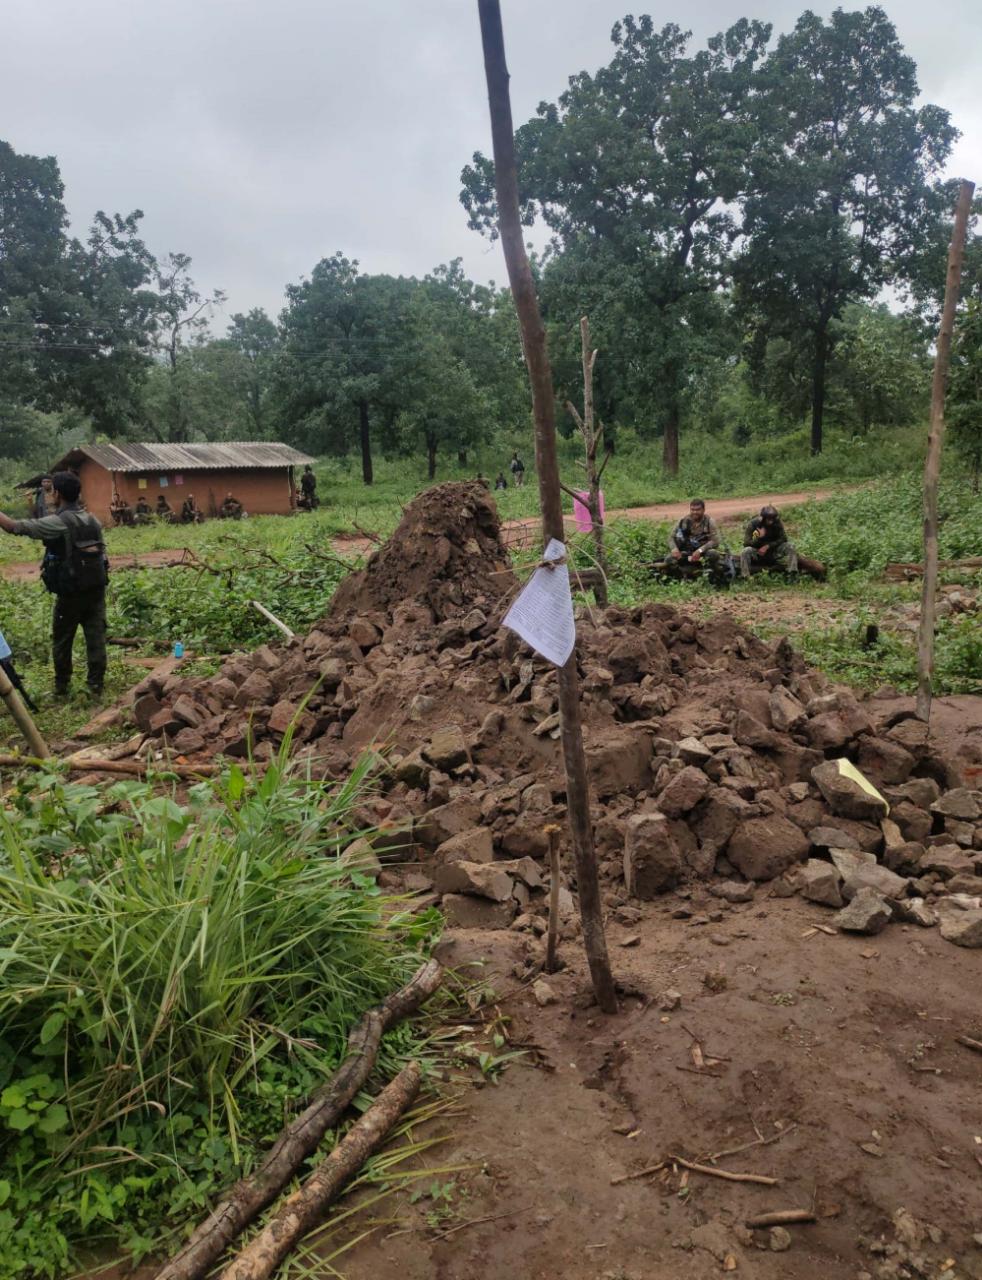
(13,675)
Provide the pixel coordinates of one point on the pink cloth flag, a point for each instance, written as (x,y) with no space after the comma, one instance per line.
(581,511)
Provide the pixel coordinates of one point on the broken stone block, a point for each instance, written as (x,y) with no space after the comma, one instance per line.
(849,861)
(282,716)
(963,928)
(683,792)
(447,748)
(787,713)
(921,792)
(652,862)
(482,879)
(915,911)
(959,803)
(872,876)
(832,838)
(264,658)
(543,993)
(867,913)
(620,761)
(750,732)
(188,711)
(413,770)
(255,690)
(464,911)
(188,741)
(799,791)
(914,823)
(763,848)
(970,884)
(963,833)
(847,793)
(733,891)
(474,845)
(947,861)
(692,751)
(526,837)
(144,709)
(449,819)
(884,761)
(364,633)
(819,882)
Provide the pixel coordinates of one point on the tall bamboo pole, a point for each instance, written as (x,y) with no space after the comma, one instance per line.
(592,435)
(547,467)
(932,464)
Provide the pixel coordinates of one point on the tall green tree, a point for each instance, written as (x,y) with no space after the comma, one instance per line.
(636,171)
(252,341)
(344,337)
(77,318)
(963,409)
(841,181)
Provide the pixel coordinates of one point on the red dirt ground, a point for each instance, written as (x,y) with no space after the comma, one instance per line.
(850,1039)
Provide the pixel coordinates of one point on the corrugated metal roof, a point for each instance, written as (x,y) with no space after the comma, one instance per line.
(231,456)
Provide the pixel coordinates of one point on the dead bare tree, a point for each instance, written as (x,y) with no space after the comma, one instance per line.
(592,435)
(932,464)
(547,466)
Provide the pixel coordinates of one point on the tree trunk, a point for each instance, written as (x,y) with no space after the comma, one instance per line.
(550,495)
(430,458)
(819,363)
(462,457)
(367,473)
(670,444)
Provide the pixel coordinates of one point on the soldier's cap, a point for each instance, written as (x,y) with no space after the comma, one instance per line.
(768,513)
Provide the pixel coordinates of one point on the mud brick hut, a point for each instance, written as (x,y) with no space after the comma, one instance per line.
(260,474)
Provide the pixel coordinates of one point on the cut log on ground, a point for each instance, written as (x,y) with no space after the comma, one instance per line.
(305,1209)
(900,570)
(95,764)
(781,1217)
(301,1138)
(814,568)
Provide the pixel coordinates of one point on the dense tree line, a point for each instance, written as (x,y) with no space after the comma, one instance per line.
(728,216)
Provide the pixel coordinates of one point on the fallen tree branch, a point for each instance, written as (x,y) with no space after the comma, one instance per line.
(271,617)
(747,1146)
(781,1216)
(300,1138)
(901,569)
(640,1173)
(724,1173)
(303,1210)
(98,764)
(969,1043)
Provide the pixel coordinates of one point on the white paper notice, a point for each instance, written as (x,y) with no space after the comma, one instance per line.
(543,613)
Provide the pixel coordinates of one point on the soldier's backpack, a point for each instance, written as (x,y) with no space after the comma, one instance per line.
(79,562)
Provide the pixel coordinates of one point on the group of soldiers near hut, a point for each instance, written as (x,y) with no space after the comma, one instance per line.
(190,513)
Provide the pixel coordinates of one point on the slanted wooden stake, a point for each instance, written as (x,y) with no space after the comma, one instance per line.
(22,717)
(547,466)
(932,464)
(592,435)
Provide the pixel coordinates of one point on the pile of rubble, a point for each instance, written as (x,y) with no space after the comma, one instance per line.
(712,756)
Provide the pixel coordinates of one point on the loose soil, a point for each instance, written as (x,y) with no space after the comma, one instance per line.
(852,1040)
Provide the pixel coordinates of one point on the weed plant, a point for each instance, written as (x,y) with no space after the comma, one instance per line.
(175,977)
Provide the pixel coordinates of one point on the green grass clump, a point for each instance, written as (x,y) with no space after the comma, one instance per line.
(174,977)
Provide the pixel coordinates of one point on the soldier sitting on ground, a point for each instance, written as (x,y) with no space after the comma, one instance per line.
(164,510)
(766,545)
(142,512)
(232,508)
(694,545)
(189,511)
(121,511)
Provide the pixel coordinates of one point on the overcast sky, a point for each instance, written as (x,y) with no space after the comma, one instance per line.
(261,136)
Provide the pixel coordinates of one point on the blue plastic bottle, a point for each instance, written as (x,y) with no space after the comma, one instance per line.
(178,649)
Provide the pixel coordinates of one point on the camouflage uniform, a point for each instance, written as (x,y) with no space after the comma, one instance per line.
(780,553)
(85,609)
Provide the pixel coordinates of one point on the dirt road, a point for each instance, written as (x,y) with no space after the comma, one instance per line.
(518,532)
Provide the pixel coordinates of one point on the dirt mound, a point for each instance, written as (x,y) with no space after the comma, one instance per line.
(446,552)
(708,751)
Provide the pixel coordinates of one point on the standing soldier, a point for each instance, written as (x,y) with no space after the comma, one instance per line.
(75,571)
(766,545)
(517,467)
(308,489)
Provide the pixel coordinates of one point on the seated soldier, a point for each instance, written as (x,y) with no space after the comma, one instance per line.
(189,511)
(121,511)
(142,512)
(766,545)
(694,544)
(231,509)
(164,510)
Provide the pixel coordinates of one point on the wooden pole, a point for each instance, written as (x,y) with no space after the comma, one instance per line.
(591,440)
(552,937)
(932,464)
(547,466)
(22,716)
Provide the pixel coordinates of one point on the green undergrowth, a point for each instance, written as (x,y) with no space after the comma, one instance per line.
(175,974)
